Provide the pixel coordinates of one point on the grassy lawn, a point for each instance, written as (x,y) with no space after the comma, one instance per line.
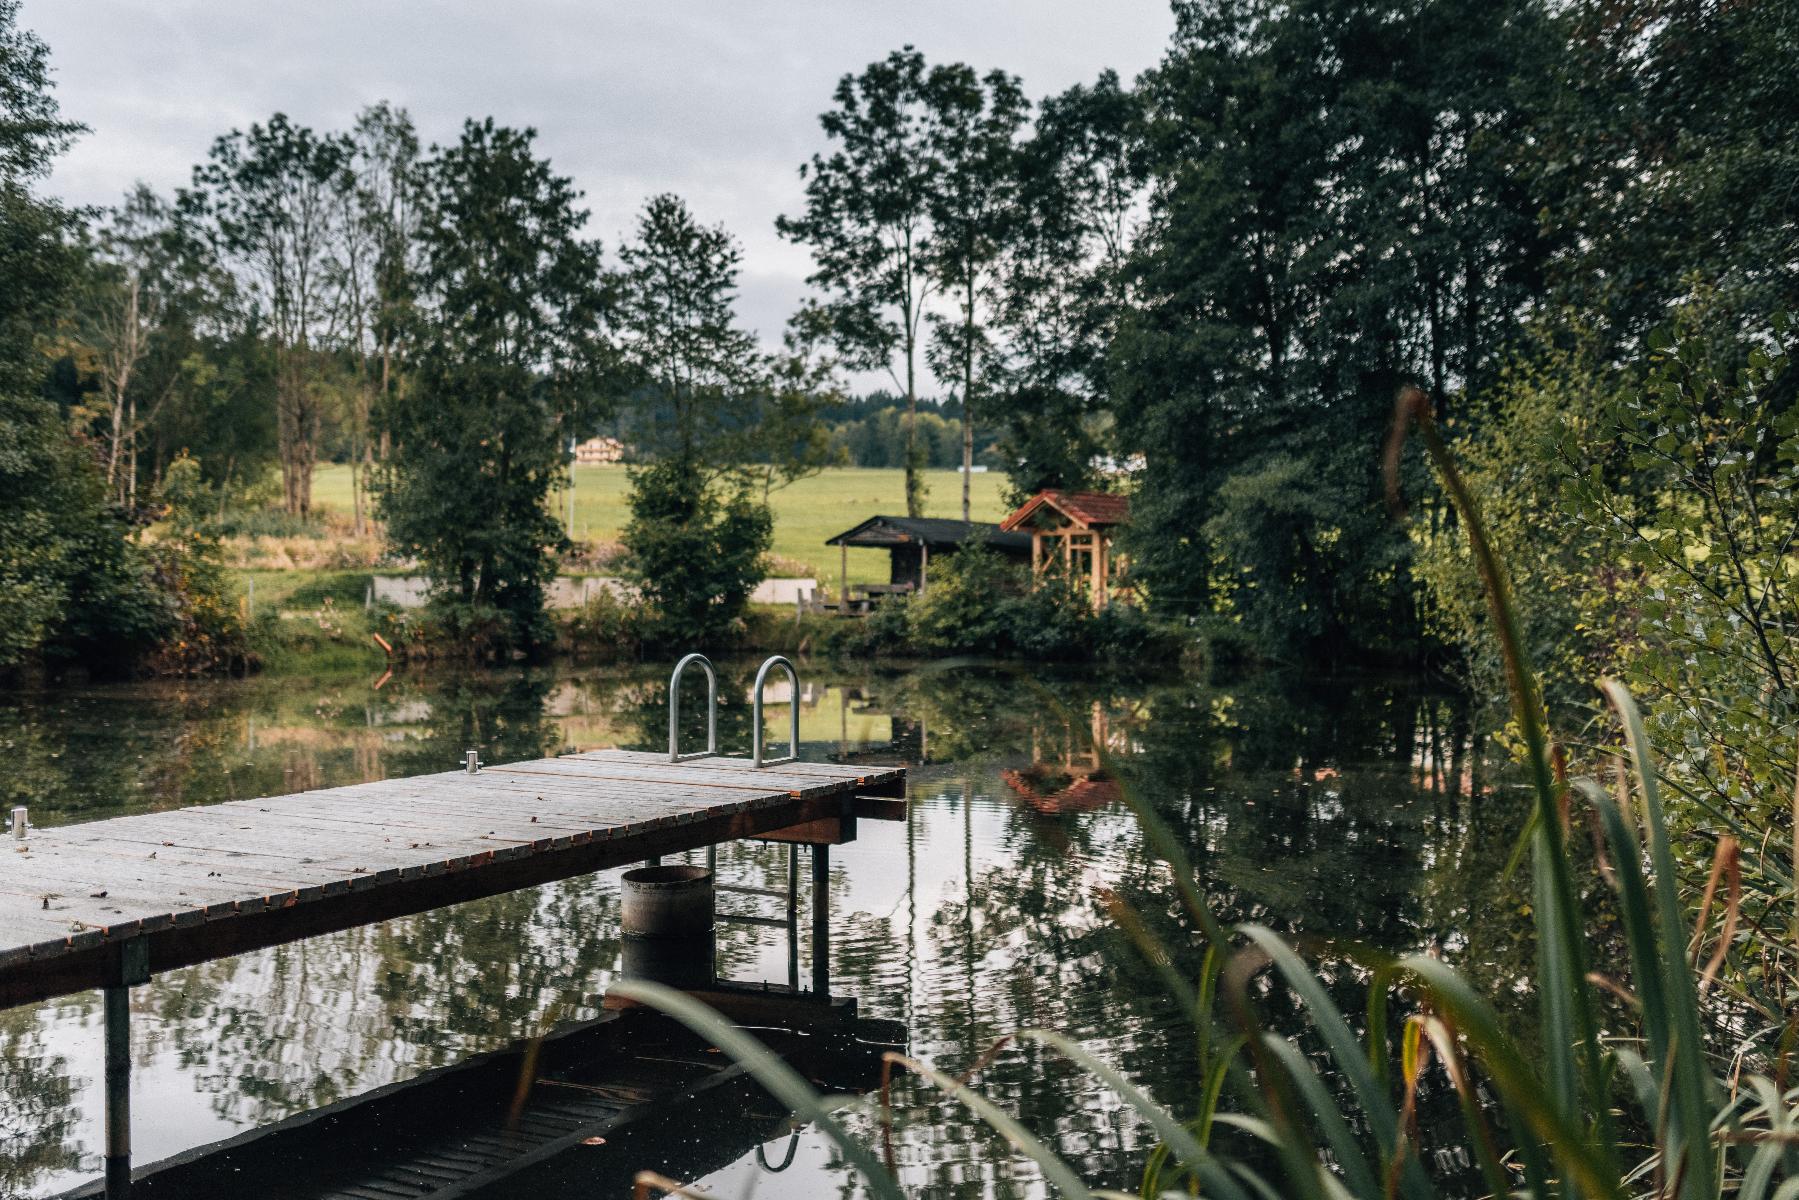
(805,514)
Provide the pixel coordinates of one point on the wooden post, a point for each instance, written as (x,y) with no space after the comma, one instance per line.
(1099,572)
(118,1092)
(793,917)
(132,967)
(821,927)
(1036,553)
(843,575)
(924,565)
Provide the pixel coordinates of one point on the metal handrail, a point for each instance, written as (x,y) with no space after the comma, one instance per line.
(793,737)
(674,709)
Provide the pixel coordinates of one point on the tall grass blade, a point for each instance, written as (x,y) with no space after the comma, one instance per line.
(1694,1091)
(1562,1133)
(1568,1016)
(1348,1054)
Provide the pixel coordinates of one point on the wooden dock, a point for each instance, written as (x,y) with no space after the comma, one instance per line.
(113,901)
(109,903)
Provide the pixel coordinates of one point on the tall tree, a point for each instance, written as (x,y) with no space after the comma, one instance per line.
(678,328)
(1336,210)
(697,534)
(125,301)
(275,198)
(514,300)
(1668,154)
(72,584)
(1064,283)
(374,261)
(868,224)
(973,136)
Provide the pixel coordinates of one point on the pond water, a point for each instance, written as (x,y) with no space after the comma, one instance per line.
(1359,809)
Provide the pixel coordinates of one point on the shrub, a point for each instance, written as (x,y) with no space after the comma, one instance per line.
(606,625)
(208,630)
(695,554)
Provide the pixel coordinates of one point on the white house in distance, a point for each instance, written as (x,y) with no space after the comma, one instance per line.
(599,450)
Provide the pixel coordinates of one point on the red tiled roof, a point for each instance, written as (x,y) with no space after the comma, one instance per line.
(1093,509)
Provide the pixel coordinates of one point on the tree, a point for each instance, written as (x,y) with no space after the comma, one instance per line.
(868,224)
(123,305)
(1064,284)
(973,134)
(703,395)
(1669,157)
(72,584)
(275,200)
(514,301)
(1336,211)
(378,229)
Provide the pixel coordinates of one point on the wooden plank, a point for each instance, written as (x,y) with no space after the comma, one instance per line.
(763,782)
(614,799)
(724,762)
(825,831)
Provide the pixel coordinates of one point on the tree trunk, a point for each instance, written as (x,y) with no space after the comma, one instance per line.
(914,485)
(968,395)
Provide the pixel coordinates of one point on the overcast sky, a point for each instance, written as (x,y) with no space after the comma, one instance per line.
(717,101)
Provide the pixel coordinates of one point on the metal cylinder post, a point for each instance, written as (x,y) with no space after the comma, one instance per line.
(673,901)
(118,1092)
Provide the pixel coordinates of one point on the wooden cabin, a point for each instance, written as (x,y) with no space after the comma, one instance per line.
(911,543)
(1073,532)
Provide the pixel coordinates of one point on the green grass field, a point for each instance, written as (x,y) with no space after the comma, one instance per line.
(806,513)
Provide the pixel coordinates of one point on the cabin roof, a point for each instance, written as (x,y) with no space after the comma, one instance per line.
(928,531)
(1089,510)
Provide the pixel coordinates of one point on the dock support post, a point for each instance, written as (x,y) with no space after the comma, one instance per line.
(118,1092)
(821,928)
(133,967)
(793,918)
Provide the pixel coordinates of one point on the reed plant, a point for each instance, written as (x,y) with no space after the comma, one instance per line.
(1586,1113)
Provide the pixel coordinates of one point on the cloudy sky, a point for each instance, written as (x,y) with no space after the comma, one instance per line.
(717,100)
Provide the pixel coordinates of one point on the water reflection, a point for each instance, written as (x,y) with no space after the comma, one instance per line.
(1359,810)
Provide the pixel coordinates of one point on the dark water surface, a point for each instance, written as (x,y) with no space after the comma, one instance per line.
(1358,810)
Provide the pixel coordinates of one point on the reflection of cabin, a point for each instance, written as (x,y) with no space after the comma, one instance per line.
(599,451)
(1067,772)
(1072,532)
(911,543)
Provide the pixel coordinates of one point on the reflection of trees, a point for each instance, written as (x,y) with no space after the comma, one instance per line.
(1346,811)
(38,1116)
(1342,815)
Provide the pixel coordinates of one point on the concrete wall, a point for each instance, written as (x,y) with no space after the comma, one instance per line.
(573,591)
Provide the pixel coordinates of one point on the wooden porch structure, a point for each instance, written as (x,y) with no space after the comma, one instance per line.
(911,543)
(1073,532)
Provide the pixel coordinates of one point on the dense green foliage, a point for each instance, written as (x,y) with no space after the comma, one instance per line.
(696,553)
(982,604)
(73,585)
(710,417)
(511,369)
